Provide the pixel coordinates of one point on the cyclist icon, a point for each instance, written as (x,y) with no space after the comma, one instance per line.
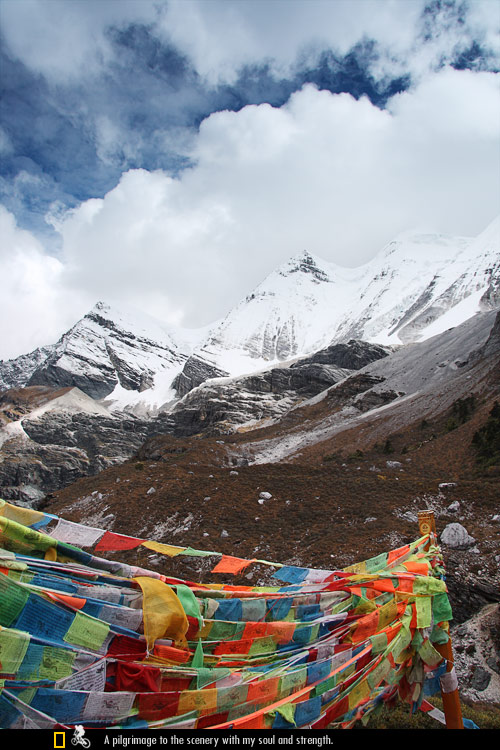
(79,738)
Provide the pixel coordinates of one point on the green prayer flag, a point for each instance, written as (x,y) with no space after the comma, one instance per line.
(87,632)
(13,647)
(198,658)
(428,654)
(12,600)
(441,608)
(189,603)
(424,612)
(287,711)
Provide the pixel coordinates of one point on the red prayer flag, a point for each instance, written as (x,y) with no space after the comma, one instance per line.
(111,541)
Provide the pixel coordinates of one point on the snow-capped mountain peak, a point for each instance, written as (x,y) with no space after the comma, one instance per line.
(418,285)
(308,264)
(307,303)
(285,316)
(111,349)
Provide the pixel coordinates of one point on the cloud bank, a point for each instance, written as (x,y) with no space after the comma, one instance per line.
(173,164)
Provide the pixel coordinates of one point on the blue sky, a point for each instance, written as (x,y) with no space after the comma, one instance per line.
(170,154)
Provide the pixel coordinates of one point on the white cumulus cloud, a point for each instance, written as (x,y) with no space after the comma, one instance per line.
(35,308)
(325,172)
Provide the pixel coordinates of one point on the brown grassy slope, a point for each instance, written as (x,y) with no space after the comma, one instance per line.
(335,502)
(325,510)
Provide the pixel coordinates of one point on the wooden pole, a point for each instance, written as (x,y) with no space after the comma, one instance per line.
(449,685)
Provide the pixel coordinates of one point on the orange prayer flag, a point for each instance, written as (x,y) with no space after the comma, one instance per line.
(357,591)
(417,567)
(112,541)
(405,586)
(366,626)
(384,584)
(229,564)
(263,690)
(396,553)
(281,631)
(255,630)
(242,646)
(76,602)
(170,653)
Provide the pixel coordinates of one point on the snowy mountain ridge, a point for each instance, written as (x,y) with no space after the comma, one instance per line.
(308,303)
(419,285)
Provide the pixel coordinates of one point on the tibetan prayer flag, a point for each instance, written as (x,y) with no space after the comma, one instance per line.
(111,541)
(164,616)
(163,549)
(93,641)
(228,564)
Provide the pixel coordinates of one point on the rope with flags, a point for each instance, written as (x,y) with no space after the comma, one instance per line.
(86,640)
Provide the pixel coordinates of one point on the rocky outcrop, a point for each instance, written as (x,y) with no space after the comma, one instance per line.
(218,407)
(56,449)
(16,373)
(347,391)
(51,437)
(476,650)
(353,355)
(105,348)
(306,380)
(305,263)
(307,376)
(212,406)
(96,383)
(456,536)
(469,591)
(29,471)
(195,372)
(217,410)
(114,437)
(492,345)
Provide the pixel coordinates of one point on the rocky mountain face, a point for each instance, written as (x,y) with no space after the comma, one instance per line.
(106,351)
(52,436)
(221,405)
(195,372)
(16,373)
(352,355)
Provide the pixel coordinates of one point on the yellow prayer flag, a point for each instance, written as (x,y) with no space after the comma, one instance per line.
(24,516)
(197,700)
(163,549)
(358,694)
(164,615)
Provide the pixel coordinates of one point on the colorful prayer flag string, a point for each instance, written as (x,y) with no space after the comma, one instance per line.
(88,640)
